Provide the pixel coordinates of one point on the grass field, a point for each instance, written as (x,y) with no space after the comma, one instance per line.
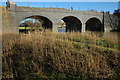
(57,56)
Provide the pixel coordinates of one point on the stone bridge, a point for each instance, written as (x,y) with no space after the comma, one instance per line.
(51,17)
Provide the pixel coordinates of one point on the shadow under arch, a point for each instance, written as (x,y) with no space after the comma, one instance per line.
(94,24)
(72,24)
(44,21)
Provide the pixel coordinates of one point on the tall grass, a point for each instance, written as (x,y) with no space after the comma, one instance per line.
(49,55)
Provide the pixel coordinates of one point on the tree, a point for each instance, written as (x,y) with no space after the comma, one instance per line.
(117,13)
(108,12)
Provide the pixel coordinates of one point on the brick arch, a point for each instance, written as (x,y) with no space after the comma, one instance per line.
(73,23)
(20,18)
(94,24)
(45,22)
(100,18)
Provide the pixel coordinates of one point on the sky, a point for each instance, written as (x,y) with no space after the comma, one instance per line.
(62,0)
(79,6)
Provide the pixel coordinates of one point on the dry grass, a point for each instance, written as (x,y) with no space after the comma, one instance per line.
(60,55)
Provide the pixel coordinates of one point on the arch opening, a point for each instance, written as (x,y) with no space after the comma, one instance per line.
(71,23)
(94,24)
(34,23)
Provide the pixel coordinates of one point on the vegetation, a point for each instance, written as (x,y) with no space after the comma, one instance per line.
(114,20)
(72,55)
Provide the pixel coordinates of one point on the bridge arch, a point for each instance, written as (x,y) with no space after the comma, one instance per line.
(72,23)
(94,24)
(45,22)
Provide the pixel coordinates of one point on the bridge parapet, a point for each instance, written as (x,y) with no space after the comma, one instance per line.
(56,10)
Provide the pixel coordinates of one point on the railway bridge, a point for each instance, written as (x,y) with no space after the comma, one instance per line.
(50,18)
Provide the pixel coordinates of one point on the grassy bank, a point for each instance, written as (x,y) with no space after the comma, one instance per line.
(53,56)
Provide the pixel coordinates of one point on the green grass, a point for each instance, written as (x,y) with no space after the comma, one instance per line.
(23,28)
